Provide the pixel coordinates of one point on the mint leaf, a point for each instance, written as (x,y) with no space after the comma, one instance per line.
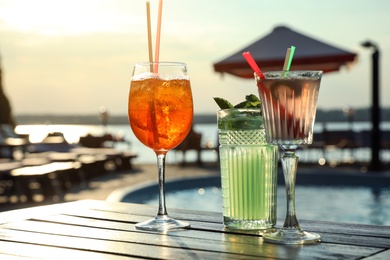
(252,98)
(241,120)
(241,105)
(223,103)
(251,101)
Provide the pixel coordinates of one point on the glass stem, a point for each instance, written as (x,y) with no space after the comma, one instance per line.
(289,163)
(162,210)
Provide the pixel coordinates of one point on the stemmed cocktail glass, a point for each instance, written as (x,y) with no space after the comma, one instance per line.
(160,115)
(289,102)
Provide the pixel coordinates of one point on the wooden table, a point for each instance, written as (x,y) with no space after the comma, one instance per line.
(92,229)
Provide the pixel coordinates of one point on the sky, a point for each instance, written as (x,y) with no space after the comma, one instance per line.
(74,56)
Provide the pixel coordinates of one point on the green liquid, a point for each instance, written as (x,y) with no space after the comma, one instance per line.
(249,183)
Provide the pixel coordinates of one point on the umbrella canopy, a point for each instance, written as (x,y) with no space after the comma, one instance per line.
(269,53)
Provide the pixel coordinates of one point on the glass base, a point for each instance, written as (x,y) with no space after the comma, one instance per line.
(292,237)
(163,223)
(248,224)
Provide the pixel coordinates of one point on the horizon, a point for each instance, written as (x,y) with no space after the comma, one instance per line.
(337,109)
(333,115)
(75,66)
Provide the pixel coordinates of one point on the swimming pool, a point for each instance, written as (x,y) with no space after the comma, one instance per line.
(362,205)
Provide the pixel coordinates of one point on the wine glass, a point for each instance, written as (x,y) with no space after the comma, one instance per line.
(289,102)
(160,115)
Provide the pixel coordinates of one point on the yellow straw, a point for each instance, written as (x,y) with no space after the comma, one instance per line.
(156,56)
(149,32)
(288,58)
(149,35)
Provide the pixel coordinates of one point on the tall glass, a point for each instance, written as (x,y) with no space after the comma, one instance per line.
(248,170)
(289,101)
(160,114)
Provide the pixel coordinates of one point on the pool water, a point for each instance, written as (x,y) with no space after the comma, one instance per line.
(360,205)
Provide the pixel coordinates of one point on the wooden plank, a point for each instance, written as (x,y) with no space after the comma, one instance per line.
(15,250)
(215,217)
(20,214)
(375,235)
(329,231)
(114,247)
(346,228)
(98,221)
(151,211)
(121,212)
(380,256)
(244,245)
(207,236)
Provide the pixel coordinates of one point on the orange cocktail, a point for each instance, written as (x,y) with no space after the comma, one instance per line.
(160,115)
(160,111)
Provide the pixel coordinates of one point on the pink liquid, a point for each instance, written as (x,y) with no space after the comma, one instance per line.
(289,109)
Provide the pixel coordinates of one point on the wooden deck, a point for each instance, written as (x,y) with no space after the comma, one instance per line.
(50,175)
(94,229)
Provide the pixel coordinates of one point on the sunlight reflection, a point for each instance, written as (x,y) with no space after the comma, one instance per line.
(37,133)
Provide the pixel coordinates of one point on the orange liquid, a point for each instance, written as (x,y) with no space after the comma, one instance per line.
(160,112)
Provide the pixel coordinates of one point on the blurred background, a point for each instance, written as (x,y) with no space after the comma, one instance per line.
(66,68)
(73,57)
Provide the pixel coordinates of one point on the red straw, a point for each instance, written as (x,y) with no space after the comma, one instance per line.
(248,57)
(156,56)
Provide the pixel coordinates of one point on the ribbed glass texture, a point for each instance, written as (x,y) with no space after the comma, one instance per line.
(248,174)
(289,101)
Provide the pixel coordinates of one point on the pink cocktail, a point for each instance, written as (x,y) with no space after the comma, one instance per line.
(289,102)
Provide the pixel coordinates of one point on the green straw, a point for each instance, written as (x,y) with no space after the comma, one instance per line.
(288,59)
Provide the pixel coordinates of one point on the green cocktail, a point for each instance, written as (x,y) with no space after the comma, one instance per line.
(248,170)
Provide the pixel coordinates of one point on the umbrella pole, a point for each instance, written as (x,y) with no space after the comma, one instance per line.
(376,164)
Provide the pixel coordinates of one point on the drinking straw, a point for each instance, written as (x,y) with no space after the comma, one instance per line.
(157,54)
(248,57)
(288,58)
(149,34)
(286,67)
